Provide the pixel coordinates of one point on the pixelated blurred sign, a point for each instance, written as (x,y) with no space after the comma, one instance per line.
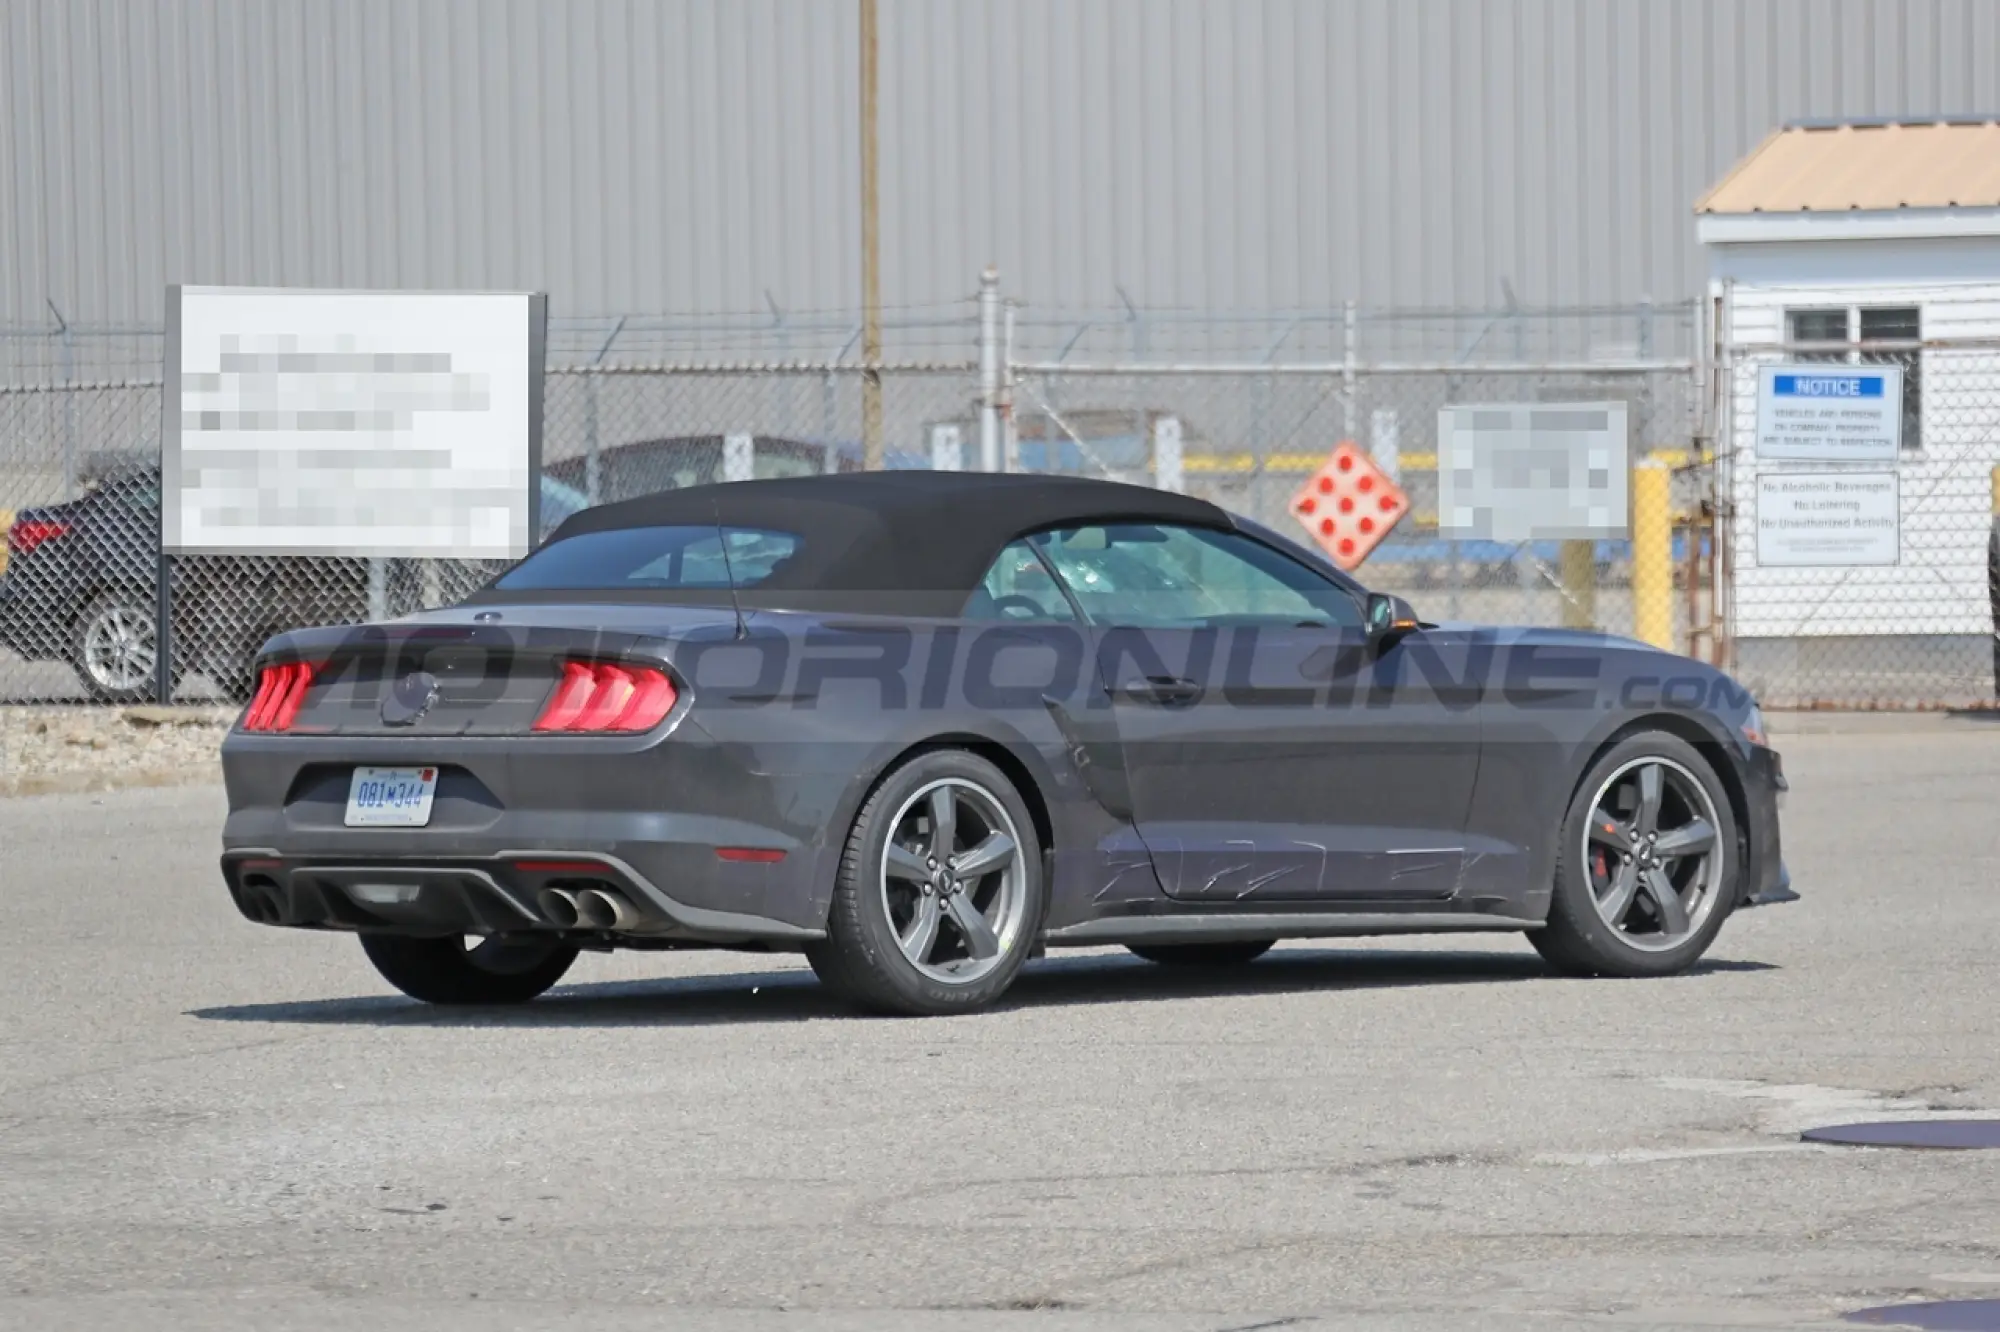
(1533,471)
(1349,505)
(392,424)
(1821,413)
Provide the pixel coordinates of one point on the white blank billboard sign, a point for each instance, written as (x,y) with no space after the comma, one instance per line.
(1533,471)
(352,423)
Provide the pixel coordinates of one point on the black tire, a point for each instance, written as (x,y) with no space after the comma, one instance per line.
(113,615)
(861,960)
(1577,941)
(445,971)
(1234,953)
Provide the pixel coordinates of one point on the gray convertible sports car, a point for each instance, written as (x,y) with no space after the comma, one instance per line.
(921,726)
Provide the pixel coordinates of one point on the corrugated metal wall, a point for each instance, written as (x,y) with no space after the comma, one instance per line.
(695,155)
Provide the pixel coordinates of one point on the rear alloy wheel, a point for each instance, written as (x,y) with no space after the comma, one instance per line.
(1648,867)
(114,649)
(457,970)
(940,891)
(1234,953)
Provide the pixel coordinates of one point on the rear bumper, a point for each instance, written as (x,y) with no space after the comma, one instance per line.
(701,845)
(1768,882)
(501,893)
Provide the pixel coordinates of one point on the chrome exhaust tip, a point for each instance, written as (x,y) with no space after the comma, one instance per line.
(561,907)
(601,909)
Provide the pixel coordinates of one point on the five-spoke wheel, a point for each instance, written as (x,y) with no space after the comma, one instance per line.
(940,890)
(1651,852)
(952,880)
(1648,865)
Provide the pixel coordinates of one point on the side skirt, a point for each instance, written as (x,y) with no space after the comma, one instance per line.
(1218,928)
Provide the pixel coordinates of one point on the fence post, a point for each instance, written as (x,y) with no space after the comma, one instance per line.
(67,340)
(593,481)
(1350,361)
(1010,439)
(1652,555)
(989,369)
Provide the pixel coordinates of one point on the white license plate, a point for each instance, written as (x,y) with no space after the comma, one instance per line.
(391,797)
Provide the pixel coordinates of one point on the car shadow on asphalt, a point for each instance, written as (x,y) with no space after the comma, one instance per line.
(794,995)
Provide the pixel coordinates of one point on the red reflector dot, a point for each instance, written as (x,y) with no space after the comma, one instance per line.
(1388,503)
(1346,463)
(1326,485)
(1347,504)
(1308,504)
(1367,526)
(1347,545)
(1326,526)
(1365,484)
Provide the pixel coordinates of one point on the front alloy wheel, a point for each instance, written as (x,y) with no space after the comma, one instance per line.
(1648,869)
(1650,847)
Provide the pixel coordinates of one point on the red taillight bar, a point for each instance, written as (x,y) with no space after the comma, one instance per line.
(598,697)
(280,691)
(578,680)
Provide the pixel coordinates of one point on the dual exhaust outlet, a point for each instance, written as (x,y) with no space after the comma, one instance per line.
(587,908)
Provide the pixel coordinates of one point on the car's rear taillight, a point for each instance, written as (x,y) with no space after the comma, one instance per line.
(280,691)
(607,696)
(27,533)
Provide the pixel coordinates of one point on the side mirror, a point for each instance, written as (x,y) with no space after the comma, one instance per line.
(1389,618)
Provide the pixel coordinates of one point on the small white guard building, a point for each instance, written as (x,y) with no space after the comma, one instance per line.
(1855,274)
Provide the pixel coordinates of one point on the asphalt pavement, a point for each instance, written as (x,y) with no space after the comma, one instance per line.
(204,1123)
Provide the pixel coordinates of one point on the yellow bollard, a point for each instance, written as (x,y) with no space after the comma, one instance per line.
(1652,555)
(1579,584)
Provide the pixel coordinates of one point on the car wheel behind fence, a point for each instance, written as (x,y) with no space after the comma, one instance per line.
(113,648)
(940,892)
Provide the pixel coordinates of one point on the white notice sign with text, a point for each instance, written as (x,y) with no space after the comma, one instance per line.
(1829,413)
(1811,520)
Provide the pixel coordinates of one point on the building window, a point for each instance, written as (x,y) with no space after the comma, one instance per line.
(1834,334)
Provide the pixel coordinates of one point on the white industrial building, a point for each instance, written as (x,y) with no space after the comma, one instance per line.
(1860,257)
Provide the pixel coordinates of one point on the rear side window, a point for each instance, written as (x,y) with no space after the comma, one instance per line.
(639,558)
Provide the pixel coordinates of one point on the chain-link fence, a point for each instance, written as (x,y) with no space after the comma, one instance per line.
(1859,449)
(1861,614)
(1249,438)
(80,506)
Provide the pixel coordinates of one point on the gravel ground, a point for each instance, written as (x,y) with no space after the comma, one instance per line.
(53,748)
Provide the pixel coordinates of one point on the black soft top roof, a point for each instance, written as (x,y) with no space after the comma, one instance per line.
(903,542)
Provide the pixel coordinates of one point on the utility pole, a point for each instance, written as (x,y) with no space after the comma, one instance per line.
(871,254)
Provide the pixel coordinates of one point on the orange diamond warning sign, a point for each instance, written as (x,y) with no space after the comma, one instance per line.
(1349,505)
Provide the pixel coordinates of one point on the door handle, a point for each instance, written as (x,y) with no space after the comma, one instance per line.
(1166,690)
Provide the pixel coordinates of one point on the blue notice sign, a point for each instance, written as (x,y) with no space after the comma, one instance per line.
(1828,386)
(1811,413)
